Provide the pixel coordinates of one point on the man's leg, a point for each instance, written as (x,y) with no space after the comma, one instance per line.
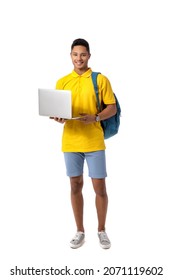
(101,202)
(77,200)
(101,205)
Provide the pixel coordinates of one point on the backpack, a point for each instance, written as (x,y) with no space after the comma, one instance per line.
(111,125)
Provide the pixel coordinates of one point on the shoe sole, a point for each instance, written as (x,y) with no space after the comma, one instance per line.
(77,246)
(105,246)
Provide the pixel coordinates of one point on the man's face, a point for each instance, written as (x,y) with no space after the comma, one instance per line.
(80,57)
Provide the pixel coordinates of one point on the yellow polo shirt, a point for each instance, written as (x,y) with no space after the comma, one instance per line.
(78,136)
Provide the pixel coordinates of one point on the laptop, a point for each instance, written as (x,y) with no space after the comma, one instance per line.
(55,103)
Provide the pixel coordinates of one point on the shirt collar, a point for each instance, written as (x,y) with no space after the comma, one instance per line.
(85,75)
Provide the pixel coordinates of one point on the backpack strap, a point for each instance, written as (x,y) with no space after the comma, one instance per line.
(94,80)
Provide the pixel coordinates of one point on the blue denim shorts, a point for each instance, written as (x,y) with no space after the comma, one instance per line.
(96,162)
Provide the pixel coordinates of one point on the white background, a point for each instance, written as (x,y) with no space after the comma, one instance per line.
(131,43)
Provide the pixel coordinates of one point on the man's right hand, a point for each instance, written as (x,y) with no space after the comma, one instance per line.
(60,120)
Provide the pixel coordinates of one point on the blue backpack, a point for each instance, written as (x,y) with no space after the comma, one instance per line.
(111,125)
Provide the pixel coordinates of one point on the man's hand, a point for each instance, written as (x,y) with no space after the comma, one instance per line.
(60,120)
(87,119)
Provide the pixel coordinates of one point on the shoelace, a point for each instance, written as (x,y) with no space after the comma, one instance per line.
(77,236)
(103,237)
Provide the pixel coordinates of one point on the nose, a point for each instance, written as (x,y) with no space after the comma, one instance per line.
(79,57)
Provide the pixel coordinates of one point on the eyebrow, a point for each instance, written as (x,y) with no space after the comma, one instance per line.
(79,53)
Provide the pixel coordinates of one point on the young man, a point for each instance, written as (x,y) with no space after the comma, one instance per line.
(83,139)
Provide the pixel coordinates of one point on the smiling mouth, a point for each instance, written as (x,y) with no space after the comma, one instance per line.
(79,64)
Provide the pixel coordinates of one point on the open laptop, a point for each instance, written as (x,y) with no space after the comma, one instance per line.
(55,103)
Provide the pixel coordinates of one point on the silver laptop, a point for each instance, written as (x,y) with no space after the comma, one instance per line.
(55,103)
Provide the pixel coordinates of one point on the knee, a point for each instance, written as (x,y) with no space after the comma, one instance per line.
(101,192)
(99,187)
(76,185)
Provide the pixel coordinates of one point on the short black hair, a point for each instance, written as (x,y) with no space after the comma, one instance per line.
(80,42)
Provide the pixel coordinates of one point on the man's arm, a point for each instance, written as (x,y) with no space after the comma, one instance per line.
(108,112)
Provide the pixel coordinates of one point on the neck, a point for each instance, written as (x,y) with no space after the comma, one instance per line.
(80,71)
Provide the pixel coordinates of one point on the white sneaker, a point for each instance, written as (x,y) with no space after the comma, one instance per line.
(104,240)
(77,240)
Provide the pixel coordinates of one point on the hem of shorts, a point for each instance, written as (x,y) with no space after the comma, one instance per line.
(74,175)
(98,177)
